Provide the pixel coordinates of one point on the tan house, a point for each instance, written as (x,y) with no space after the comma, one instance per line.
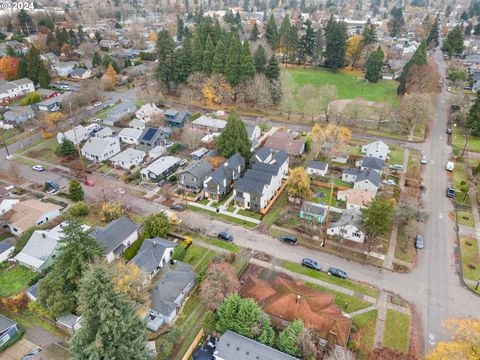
(355,198)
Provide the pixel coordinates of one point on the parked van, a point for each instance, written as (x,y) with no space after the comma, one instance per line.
(450,166)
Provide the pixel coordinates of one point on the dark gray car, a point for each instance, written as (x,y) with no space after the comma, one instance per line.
(312,264)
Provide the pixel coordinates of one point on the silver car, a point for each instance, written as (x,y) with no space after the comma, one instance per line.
(424,160)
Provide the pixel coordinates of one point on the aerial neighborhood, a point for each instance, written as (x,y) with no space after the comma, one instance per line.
(256,180)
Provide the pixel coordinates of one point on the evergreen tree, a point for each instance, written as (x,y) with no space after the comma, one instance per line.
(292,44)
(218,66)
(473,119)
(273,69)
(335,42)
(469,29)
(464,16)
(197,52)
(111,327)
(308,39)
(96,59)
(454,43)
(396,22)
(156,225)
(419,57)
(255,33)
(318,48)
(271,32)
(180,28)
(75,190)
(183,62)
(284,33)
(247,65)
(165,57)
(234,138)
(37,72)
(260,59)
(217,32)
(374,66)
(25,21)
(58,291)
(67,148)
(369,34)
(288,339)
(232,61)
(22,71)
(208,56)
(434,33)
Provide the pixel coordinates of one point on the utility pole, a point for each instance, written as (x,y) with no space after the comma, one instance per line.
(5,144)
(77,145)
(325,224)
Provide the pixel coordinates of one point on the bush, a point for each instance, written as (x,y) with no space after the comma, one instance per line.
(130,252)
(15,303)
(37,308)
(175,148)
(195,116)
(149,56)
(79,209)
(179,253)
(111,211)
(31,98)
(167,344)
(172,179)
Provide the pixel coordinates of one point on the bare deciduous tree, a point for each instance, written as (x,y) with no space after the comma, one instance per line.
(423,78)
(191,137)
(415,109)
(327,94)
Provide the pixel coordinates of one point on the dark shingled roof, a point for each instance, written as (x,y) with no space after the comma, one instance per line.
(114,233)
(199,169)
(372,176)
(373,163)
(151,253)
(6,323)
(318,165)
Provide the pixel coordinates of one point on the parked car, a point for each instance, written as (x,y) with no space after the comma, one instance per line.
(288,239)
(32,353)
(449,131)
(168,144)
(38,168)
(98,103)
(177,207)
(396,167)
(449,89)
(450,166)
(119,191)
(389,182)
(225,236)
(162,182)
(424,160)
(312,264)
(9,157)
(451,191)
(337,272)
(419,242)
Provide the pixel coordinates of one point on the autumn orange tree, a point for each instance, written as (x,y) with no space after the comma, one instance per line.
(110,78)
(52,119)
(220,281)
(299,184)
(130,280)
(464,344)
(9,67)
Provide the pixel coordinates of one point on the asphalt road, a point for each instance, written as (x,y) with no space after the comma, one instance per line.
(434,287)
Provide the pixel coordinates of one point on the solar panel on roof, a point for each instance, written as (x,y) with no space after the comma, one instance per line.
(149,134)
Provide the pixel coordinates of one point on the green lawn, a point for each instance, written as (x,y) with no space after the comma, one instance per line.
(25,161)
(458,141)
(465,218)
(15,280)
(348,284)
(396,154)
(326,198)
(404,251)
(194,254)
(341,299)
(459,175)
(228,218)
(221,244)
(397,331)
(249,213)
(366,324)
(350,85)
(190,305)
(272,215)
(470,258)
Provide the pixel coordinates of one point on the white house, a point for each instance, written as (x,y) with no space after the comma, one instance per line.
(97,149)
(26,214)
(76,135)
(377,149)
(10,90)
(317,168)
(104,132)
(137,124)
(209,124)
(117,236)
(148,112)
(63,68)
(153,255)
(81,73)
(161,168)
(7,204)
(349,175)
(260,183)
(129,135)
(348,226)
(367,181)
(39,252)
(371,163)
(355,199)
(128,158)
(340,157)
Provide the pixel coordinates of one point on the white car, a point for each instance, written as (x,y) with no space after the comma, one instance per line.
(9,157)
(450,165)
(119,191)
(38,168)
(96,120)
(168,144)
(389,182)
(98,103)
(449,89)
(424,160)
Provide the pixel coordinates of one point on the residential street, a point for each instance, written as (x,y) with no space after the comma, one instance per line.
(434,287)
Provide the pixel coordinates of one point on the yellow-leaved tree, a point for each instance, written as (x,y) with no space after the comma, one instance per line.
(464,344)
(130,280)
(354,49)
(53,119)
(152,36)
(328,139)
(110,78)
(299,184)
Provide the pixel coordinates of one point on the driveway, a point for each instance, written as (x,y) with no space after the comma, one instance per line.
(18,350)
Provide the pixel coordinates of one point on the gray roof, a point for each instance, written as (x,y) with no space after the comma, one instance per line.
(250,129)
(199,169)
(225,171)
(114,233)
(351,171)
(170,286)
(372,176)
(151,253)
(262,154)
(23,81)
(68,320)
(78,72)
(33,290)
(232,346)
(6,323)
(317,165)
(313,208)
(349,217)
(121,109)
(373,163)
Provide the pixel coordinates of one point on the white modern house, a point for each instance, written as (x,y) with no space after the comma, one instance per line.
(128,158)
(377,149)
(161,168)
(130,135)
(10,90)
(76,135)
(98,149)
(7,204)
(348,226)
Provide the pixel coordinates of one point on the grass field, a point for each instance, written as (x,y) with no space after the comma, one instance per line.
(366,325)
(221,244)
(272,215)
(350,85)
(348,284)
(341,299)
(15,280)
(458,141)
(396,334)
(459,175)
(465,218)
(396,154)
(45,151)
(470,258)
